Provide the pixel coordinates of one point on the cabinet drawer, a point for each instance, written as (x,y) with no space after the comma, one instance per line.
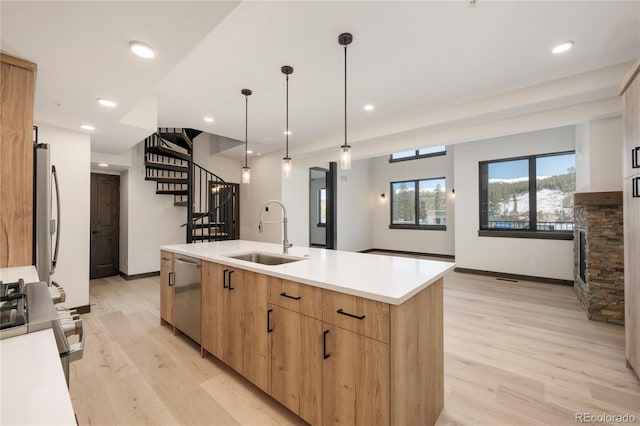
(362,316)
(297,297)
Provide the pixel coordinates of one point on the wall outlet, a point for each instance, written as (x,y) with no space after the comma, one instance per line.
(344,178)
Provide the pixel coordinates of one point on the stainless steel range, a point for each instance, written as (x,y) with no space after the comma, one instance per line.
(26,308)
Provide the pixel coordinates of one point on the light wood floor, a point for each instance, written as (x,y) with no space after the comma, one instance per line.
(515,354)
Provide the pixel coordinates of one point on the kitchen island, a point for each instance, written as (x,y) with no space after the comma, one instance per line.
(336,337)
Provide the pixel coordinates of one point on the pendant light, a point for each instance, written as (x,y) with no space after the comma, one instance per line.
(286,161)
(345,39)
(246,170)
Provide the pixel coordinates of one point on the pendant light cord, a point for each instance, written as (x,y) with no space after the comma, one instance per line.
(287,123)
(345,96)
(246,126)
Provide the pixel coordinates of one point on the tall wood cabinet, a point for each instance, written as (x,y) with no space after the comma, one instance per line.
(630,91)
(17,90)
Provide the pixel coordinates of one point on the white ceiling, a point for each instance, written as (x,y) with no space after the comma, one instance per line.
(407,58)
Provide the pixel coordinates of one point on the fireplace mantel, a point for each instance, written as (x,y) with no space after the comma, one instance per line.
(611,198)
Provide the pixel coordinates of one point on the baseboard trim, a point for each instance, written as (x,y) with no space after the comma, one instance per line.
(414,253)
(85,309)
(139,276)
(517,277)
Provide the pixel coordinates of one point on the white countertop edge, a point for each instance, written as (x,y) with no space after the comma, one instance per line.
(266,270)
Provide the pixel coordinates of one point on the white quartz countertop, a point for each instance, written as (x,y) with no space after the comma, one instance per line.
(33,390)
(27,273)
(386,279)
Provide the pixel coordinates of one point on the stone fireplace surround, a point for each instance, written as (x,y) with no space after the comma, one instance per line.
(599,214)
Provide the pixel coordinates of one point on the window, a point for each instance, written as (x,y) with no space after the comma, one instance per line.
(418,153)
(322,207)
(419,204)
(528,197)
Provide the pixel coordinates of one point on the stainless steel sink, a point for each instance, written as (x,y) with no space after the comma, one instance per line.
(265,258)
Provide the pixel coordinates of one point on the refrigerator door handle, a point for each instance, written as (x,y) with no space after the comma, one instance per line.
(55,228)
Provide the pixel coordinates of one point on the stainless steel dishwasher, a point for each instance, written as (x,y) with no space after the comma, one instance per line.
(187,298)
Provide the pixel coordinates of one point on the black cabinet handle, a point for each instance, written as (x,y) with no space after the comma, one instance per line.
(325,355)
(229,286)
(635,188)
(290,297)
(170,275)
(341,312)
(269,329)
(224,278)
(635,162)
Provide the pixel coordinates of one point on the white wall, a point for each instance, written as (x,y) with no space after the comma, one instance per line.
(295,196)
(71,154)
(265,185)
(354,205)
(152,220)
(583,178)
(542,258)
(424,241)
(605,157)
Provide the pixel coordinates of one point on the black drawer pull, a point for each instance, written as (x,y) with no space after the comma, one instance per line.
(170,275)
(635,162)
(635,187)
(224,278)
(290,297)
(269,329)
(325,355)
(341,312)
(229,286)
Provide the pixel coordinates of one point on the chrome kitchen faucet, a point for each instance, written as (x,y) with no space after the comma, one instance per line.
(285,242)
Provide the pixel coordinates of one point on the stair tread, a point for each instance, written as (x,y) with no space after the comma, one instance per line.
(165,166)
(177,138)
(168,179)
(180,203)
(168,152)
(172,191)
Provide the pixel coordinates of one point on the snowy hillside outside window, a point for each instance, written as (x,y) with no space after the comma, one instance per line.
(530,194)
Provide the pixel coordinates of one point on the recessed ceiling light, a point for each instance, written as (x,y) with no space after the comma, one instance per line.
(561,48)
(87,127)
(249,152)
(142,50)
(103,165)
(107,103)
(208,119)
(369,107)
(287,132)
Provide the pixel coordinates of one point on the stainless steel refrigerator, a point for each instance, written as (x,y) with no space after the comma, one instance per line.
(46,212)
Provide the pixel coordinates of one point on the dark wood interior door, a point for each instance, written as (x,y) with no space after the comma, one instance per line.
(105,225)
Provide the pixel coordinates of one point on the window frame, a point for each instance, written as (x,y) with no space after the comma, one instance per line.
(417,156)
(532,232)
(320,222)
(415,225)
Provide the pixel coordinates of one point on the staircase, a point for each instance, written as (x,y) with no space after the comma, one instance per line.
(212,203)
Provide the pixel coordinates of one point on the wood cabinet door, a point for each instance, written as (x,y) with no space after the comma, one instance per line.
(17,90)
(631,128)
(355,383)
(235,319)
(632,273)
(255,349)
(295,351)
(215,309)
(167,280)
